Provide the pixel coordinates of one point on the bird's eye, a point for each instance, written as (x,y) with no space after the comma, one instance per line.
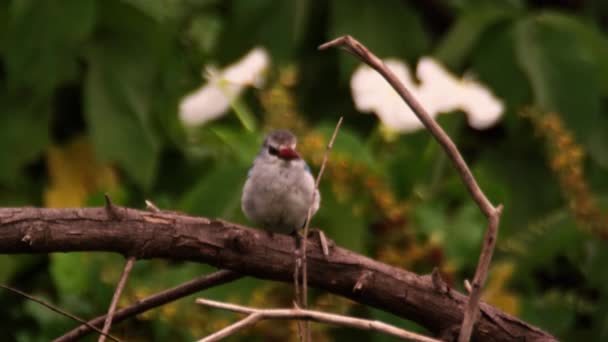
(273,151)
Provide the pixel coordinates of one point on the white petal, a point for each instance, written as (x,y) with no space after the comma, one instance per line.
(438,88)
(207,103)
(483,109)
(213,99)
(445,93)
(371,92)
(249,69)
(397,116)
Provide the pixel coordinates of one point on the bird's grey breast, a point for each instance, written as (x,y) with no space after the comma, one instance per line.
(278,194)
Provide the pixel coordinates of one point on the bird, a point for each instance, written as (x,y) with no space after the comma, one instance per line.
(279,188)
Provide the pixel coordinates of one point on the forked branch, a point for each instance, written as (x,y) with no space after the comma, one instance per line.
(256,315)
(492,213)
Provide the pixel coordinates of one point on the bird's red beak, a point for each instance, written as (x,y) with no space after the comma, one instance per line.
(288,153)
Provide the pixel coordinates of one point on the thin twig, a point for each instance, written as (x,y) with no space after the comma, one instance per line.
(483,265)
(296,282)
(119,288)
(308,315)
(304,302)
(58,310)
(492,213)
(351,45)
(153,301)
(232,328)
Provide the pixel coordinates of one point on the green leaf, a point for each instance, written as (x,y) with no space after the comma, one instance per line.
(11,264)
(593,43)
(67,272)
(562,71)
(349,143)
(218,193)
(158,9)
(271,24)
(466,33)
(42,40)
(204,31)
(461,232)
(24,129)
(242,144)
(495,64)
(589,37)
(348,229)
(549,311)
(389,28)
(120,88)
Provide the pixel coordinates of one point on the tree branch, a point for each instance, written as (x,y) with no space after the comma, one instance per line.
(354,47)
(250,252)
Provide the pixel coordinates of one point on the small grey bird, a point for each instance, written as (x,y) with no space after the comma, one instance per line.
(279,187)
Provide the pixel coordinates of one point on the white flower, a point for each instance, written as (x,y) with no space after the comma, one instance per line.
(438,92)
(372,93)
(213,99)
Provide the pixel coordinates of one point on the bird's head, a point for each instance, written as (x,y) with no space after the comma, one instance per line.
(281,144)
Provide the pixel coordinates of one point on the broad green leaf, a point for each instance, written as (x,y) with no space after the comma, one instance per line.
(549,311)
(590,38)
(242,144)
(596,45)
(495,64)
(158,9)
(459,232)
(120,88)
(204,32)
(471,4)
(41,45)
(389,28)
(218,192)
(67,272)
(12,264)
(24,131)
(348,143)
(274,25)
(464,36)
(562,70)
(349,229)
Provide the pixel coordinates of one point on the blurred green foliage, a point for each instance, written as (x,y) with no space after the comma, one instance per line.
(89,95)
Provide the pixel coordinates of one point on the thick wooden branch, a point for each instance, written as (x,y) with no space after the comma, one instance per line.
(256,253)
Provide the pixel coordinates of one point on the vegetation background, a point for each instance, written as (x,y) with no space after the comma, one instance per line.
(89,98)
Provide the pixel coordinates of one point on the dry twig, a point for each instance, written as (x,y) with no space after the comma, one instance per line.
(59,311)
(256,315)
(304,300)
(354,47)
(119,288)
(153,301)
(113,214)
